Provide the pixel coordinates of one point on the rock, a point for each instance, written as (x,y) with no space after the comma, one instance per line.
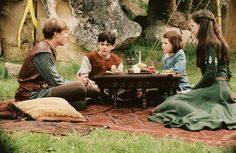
(86,18)
(131,9)
(91,17)
(13,69)
(97,16)
(156,31)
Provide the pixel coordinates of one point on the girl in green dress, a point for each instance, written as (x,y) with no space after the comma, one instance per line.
(209,104)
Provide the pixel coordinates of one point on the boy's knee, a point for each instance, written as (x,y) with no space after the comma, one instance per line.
(93,91)
(80,87)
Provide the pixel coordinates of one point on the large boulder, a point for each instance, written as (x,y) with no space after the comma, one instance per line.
(131,9)
(12,69)
(91,17)
(86,18)
(155,31)
(96,16)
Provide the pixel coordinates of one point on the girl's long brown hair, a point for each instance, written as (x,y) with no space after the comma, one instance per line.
(209,34)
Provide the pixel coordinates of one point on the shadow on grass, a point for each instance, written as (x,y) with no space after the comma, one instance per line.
(6,143)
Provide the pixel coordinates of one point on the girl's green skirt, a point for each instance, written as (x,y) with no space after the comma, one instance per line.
(204,108)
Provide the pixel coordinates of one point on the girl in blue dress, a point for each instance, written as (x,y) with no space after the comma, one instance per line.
(174,60)
(174,57)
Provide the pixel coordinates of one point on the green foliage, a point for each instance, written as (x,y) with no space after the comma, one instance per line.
(149,56)
(3,70)
(233,68)
(68,70)
(8,88)
(104,141)
(194,74)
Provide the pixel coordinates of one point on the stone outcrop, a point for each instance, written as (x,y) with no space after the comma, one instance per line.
(90,17)
(162,17)
(131,9)
(96,16)
(12,69)
(86,18)
(155,31)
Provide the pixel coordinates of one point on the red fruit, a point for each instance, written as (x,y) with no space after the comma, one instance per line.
(151,68)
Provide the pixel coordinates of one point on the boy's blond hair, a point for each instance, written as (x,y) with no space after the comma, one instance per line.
(52,25)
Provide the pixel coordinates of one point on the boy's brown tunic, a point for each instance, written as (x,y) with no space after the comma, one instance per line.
(100,65)
(29,78)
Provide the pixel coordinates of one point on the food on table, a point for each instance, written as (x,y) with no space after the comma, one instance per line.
(168,72)
(136,69)
(114,69)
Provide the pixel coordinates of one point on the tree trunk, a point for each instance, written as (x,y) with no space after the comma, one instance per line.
(219,20)
(230,29)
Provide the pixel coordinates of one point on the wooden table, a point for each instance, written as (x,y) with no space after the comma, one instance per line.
(144,81)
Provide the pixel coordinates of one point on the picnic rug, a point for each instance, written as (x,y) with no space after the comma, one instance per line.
(130,119)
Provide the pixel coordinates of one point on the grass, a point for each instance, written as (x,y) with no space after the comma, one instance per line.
(101,141)
(68,70)
(8,88)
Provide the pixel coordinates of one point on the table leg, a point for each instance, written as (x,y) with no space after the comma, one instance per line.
(114,97)
(174,90)
(102,94)
(144,97)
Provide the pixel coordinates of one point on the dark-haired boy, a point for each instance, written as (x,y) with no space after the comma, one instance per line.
(99,61)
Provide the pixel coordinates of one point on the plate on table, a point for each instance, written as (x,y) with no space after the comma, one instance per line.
(142,73)
(112,73)
(170,74)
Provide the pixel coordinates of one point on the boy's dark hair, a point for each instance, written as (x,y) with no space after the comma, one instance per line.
(53,25)
(175,39)
(107,36)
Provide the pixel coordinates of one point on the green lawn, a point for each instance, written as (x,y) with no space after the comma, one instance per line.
(100,141)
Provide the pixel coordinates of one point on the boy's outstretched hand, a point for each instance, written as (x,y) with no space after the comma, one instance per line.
(87,82)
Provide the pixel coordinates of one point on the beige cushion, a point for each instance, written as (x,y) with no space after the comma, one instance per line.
(49,109)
